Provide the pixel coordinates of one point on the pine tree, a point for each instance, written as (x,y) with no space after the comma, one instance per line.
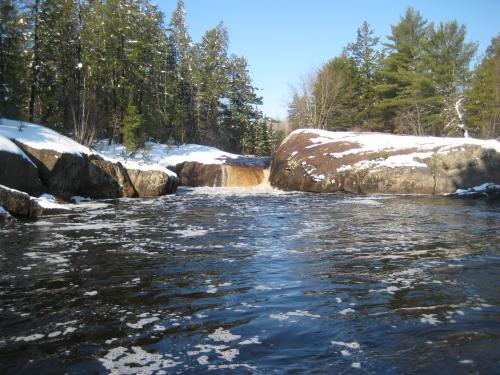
(14,60)
(404,89)
(447,58)
(365,57)
(183,84)
(239,105)
(212,83)
(131,131)
(482,107)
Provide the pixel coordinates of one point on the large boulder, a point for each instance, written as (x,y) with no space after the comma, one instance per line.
(60,172)
(105,179)
(320,161)
(66,174)
(17,171)
(241,172)
(152,182)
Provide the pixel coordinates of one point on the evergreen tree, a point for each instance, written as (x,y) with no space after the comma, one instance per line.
(14,60)
(212,83)
(405,90)
(239,104)
(365,56)
(183,84)
(132,122)
(482,107)
(447,58)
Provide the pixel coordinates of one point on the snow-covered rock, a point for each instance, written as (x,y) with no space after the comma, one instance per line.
(67,168)
(17,171)
(195,165)
(323,161)
(487,190)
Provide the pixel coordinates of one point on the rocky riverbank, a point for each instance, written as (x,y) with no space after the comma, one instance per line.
(325,162)
(36,161)
(40,168)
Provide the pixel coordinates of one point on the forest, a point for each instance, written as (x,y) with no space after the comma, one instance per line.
(113,69)
(419,82)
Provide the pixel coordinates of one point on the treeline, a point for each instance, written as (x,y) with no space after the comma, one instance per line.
(112,68)
(418,82)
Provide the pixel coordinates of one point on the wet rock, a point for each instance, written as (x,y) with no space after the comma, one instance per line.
(242,172)
(17,203)
(18,172)
(152,183)
(318,161)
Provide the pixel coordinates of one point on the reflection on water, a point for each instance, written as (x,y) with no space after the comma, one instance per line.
(250,281)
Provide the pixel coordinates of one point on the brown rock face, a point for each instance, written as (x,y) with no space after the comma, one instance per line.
(17,203)
(66,174)
(301,163)
(18,173)
(105,179)
(152,183)
(61,173)
(233,173)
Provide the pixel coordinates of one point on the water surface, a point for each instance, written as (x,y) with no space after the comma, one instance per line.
(242,281)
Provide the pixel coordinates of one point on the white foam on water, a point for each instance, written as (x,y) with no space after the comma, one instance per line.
(141,323)
(251,341)
(346,311)
(466,361)
(429,319)
(191,231)
(229,354)
(220,334)
(33,337)
(135,360)
(279,316)
(351,345)
(203,360)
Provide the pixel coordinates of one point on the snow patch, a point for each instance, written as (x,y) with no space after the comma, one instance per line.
(167,156)
(40,138)
(8,146)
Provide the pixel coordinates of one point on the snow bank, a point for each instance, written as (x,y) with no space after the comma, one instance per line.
(168,156)
(40,137)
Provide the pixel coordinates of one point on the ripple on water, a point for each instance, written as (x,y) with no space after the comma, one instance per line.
(253,281)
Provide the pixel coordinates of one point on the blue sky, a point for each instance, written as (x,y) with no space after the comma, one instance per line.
(283,40)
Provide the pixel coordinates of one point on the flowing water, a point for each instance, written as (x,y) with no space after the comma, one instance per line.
(259,282)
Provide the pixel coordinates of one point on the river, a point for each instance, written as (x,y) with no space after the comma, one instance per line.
(254,281)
